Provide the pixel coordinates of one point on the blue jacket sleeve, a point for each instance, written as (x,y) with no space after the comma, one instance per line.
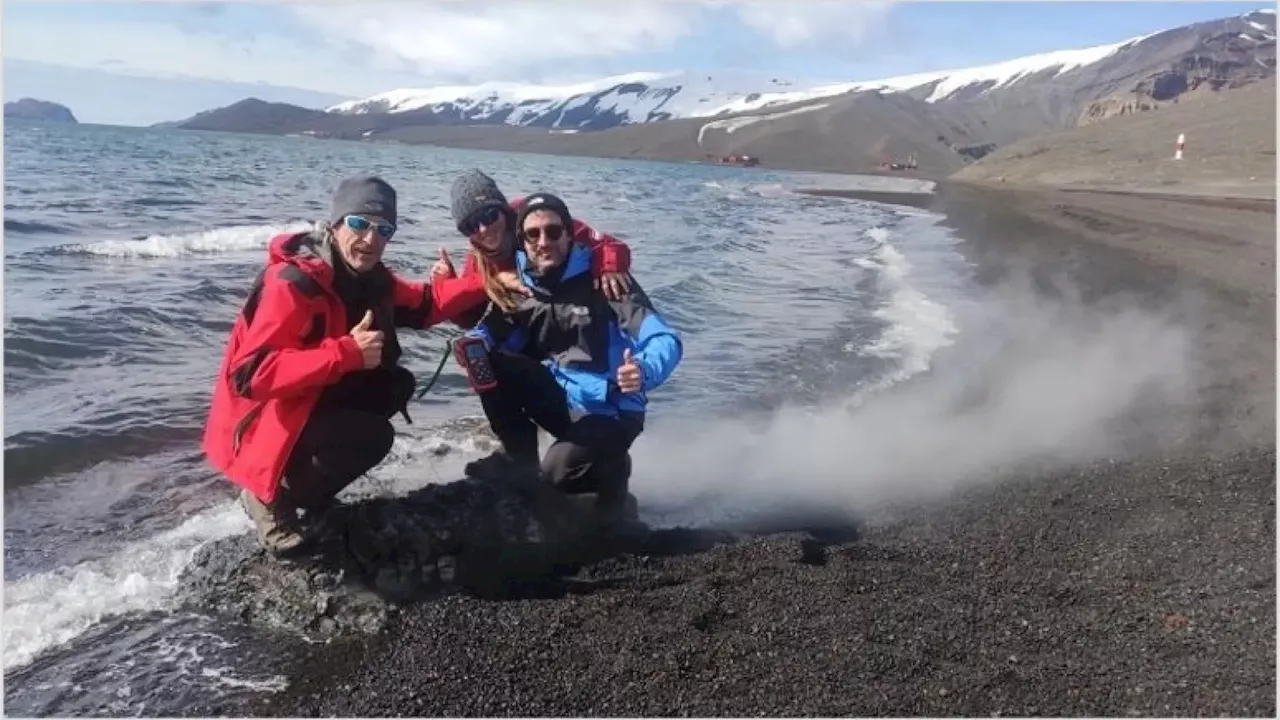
(499,333)
(659,348)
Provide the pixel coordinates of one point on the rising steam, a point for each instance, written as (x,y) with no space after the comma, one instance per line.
(1032,381)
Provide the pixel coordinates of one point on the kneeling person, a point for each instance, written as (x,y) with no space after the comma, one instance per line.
(310,377)
(570,360)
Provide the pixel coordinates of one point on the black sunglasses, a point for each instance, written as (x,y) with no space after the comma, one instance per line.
(554,233)
(486,217)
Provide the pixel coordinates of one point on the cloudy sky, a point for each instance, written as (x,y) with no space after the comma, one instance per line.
(145,62)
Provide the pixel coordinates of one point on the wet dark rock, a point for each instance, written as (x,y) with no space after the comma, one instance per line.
(370,557)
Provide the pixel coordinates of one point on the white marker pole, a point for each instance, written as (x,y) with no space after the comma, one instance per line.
(1182,143)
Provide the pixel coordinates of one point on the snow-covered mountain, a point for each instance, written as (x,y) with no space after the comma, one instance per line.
(647,97)
(593,105)
(945,118)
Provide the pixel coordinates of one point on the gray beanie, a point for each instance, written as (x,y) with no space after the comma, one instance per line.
(364,194)
(472,192)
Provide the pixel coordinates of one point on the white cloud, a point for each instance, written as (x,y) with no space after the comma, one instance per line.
(361,48)
(795,24)
(479,41)
(163,50)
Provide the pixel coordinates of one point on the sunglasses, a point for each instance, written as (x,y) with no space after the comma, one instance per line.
(359,224)
(485,217)
(553,233)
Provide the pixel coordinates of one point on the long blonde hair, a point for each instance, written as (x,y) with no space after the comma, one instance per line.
(498,294)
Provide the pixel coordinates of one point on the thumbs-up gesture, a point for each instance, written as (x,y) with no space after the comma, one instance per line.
(443,267)
(368,340)
(630,377)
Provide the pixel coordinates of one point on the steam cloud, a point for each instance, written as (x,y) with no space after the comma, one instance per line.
(1033,380)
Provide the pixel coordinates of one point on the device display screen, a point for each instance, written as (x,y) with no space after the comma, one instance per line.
(475,352)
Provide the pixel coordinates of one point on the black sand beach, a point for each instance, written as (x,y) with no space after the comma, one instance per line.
(1143,585)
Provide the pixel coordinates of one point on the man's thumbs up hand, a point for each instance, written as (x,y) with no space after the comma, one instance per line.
(630,376)
(365,324)
(368,340)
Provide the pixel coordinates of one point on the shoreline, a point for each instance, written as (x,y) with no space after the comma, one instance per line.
(918,200)
(1064,593)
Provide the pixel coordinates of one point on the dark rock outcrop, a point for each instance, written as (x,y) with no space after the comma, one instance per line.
(372,556)
(40,110)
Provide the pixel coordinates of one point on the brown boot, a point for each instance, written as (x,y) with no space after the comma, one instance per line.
(279,531)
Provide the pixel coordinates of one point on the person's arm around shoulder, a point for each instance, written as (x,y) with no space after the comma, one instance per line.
(421,305)
(424,304)
(610,259)
(659,348)
(272,361)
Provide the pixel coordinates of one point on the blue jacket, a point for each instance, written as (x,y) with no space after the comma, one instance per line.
(580,335)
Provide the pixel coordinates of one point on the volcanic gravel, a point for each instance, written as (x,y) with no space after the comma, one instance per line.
(1142,588)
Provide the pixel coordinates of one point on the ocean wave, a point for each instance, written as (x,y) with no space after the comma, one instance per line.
(34,228)
(219,240)
(49,609)
(916,326)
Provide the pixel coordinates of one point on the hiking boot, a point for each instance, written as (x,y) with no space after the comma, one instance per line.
(279,531)
(499,466)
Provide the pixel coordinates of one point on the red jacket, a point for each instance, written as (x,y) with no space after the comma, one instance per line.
(290,341)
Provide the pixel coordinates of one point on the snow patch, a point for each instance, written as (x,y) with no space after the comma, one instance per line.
(406,99)
(1267,33)
(1005,73)
(740,122)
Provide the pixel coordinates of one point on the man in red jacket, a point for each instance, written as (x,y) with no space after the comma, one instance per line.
(309,379)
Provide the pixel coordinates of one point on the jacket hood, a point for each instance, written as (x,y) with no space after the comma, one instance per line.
(307,250)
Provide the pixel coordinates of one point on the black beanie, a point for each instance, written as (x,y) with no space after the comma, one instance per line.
(361,195)
(472,192)
(544,201)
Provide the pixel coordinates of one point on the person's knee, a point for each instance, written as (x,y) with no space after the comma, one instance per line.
(382,436)
(403,383)
(564,465)
(372,443)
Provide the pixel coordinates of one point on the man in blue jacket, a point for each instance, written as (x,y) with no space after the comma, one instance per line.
(570,360)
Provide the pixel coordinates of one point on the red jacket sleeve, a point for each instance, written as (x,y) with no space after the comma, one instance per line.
(422,305)
(271,361)
(470,318)
(608,253)
(451,297)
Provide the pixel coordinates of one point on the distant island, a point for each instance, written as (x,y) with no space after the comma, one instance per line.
(43,110)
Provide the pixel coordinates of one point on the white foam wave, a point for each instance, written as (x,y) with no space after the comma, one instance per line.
(219,240)
(437,456)
(50,609)
(917,327)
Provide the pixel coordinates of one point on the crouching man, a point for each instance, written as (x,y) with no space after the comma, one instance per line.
(310,377)
(570,360)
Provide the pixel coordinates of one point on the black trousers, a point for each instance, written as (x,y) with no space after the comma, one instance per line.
(348,433)
(591,453)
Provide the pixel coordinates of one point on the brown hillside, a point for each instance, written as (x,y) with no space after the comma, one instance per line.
(1230,149)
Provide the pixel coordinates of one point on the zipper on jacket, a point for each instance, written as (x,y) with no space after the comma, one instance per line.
(238,434)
